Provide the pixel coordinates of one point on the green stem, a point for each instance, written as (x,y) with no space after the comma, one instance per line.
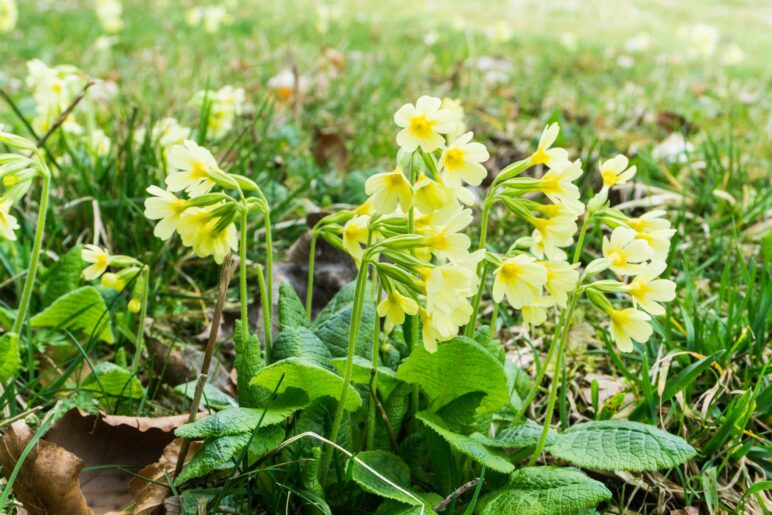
(414,394)
(580,241)
(140,338)
(37,246)
(268,302)
(374,376)
(356,318)
(243,279)
(481,269)
(556,380)
(310,283)
(266,313)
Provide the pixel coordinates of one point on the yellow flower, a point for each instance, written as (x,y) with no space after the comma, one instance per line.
(627,325)
(624,252)
(166,208)
(461,162)
(99,259)
(112,281)
(655,230)
(431,195)
(9,14)
(388,189)
(134,305)
(561,280)
(536,312)
(355,234)
(557,185)
(553,233)
(552,157)
(422,124)
(198,229)
(615,171)
(194,164)
(446,240)
(520,279)
(394,307)
(648,291)
(109,13)
(224,105)
(457,114)
(8,223)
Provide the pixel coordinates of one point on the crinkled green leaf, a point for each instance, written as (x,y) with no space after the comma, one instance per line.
(10,359)
(306,375)
(545,491)
(300,342)
(249,361)
(343,299)
(396,508)
(390,466)
(63,276)
(620,445)
(109,379)
(525,434)
(232,421)
(466,445)
(334,331)
(213,396)
(458,367)
(387,378)
(82,310)
(215,454)
(291,310)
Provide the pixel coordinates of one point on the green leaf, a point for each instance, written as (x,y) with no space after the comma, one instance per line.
(388,465)
(291,310)
(545,491)
(300,342)
(63,276)
(218,453)
(108,379)
(387,378)
(465,444)
(620,445)
(248,362)
(334,331)
(526,434)
(306,375)
(473,368)
(343,299)
(10,359)
(82,310)
(213,396)
(233,421)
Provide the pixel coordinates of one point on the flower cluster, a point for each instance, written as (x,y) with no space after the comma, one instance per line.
(210,17)
(17,171)
(9,15)
(125,270)
(221,107)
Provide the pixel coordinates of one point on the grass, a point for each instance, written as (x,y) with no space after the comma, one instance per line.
(704,375)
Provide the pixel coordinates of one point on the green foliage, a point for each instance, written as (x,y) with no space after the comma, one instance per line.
(545,491)
(249,361)
(525,434)
(300,342)
(213,397)
(64,276)
(82,310)
(620,445)
(388,465)
(10,359)
(110,380)
(473,368)
(306,375)
(292,313)
(387,378)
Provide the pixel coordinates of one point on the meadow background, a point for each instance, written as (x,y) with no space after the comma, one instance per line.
(680,86)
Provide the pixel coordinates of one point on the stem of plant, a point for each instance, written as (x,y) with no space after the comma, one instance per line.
(266,313)
(415,398)
(482,269)
(226,271)
(269,274)
(140,338)
(374,374)
(310,283)
(243,279)
(356,318)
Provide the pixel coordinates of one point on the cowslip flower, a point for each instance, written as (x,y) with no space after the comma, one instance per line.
(8,222)
(519,279)
(423,124)
(394,307)
(355,234)
(447,240)
(624,252)
(457,114)
(388,189)
(431,195)
(553,233)
(615,171)
(557,184)
(655,230)
(627,325)
(224,105)
(561,280)
(193,165)
(9,14)
(99,259)
(165,207)
(648,291)
(535,313)
(198,228)
(461,161)
(551,157)
(109,13)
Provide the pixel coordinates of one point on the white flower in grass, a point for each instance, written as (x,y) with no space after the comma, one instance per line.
(423,124)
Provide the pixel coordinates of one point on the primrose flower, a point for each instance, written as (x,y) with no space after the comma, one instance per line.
(99,259)
(388,189)
(628,325)
(112,281)
(457,113)
(655,230)
(199,229)
(624,252)
(394,307)
(553,233)
(224,105)
(355,234)
(167,132)
(551,157)
(461,161)
(647,291)
(167,208)
(431,195)
(557,184)
(194,164)
(423,124)
(9,14)
(212,17)
(109,13)
(8,222)
(536,312)
(520,279)
(447,240)
(561,280)
(615,171)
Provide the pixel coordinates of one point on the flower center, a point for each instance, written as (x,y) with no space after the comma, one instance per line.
(454,158)
(421,127)
(198,170)
(617,258)
(610,177)
(510,271)
(540,157)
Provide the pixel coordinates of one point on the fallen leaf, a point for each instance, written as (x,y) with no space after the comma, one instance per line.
(149,495)
(329,149)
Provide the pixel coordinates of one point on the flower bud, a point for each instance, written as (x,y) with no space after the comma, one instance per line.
(134,305)
(608,286)
(112,281)
(245,183)
(597,201)
(599,300)
(596,266)
(14,141)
